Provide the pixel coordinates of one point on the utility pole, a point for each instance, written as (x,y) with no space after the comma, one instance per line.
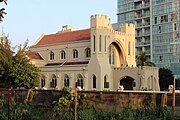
(75,105)
(174,97)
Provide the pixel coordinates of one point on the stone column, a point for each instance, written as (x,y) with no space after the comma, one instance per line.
(71,81)
(58,81)
(85,78)
(47,81)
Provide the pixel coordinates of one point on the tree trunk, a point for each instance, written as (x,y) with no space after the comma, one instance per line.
(27,96)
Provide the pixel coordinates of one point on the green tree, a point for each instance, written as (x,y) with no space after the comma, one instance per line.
(2,10)
(142,60)
(15,68)
(24,74)
(5,62)
(67,101)
(20,56)
(165,78)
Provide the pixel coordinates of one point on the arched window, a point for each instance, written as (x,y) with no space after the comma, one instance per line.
(106,84)
(111,54)
(129,48)
(94,40)
(75,53)
(51,55)
(53,83)
(79,81)
(66,81)
(105,44)
(94,81)
(133,48)
(43,82)
(100,43)
(63,54)
(88,52)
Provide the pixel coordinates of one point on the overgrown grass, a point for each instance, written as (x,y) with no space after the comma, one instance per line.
(89,112)
(85,112)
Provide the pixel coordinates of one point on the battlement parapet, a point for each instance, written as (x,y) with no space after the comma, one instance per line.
(128,25)
(99,16)
(99,20)
(135,68)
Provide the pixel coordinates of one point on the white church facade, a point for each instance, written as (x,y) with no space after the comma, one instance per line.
(98,58)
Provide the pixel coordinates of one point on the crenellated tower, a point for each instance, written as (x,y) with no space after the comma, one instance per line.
(109,49)
(101,37)
(129,34)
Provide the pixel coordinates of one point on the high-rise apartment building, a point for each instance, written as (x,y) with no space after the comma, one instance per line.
(157,29)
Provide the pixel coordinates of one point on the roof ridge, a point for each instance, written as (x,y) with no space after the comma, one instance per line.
(67,32)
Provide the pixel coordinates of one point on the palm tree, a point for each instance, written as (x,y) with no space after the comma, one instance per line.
(142,60)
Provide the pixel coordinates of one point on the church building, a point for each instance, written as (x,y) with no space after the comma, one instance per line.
(97,58)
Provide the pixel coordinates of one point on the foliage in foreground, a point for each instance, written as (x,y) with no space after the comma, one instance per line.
(89,112)
(16,70)
(86,112)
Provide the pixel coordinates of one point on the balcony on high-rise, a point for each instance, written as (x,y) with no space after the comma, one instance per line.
(137,0)
(146,33)
(138,15)
(146,24)
(139,24)
(146,13)
(139,6)
(147,4)
(138,34)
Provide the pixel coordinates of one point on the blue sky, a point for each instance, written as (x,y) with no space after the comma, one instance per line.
(28,19)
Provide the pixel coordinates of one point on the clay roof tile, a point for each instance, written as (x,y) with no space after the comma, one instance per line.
(34,55)
(63,37)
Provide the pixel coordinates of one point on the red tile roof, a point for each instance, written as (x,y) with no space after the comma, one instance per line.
(34,55)
(72,36)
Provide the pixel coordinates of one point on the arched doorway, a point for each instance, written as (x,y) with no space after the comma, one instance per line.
(128,83)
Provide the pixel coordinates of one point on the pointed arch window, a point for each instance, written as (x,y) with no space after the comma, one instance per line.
(111,54)
(63,54)
(129,48)
(51,55)
(88,52)
(79,81)
(94,41)
(75,53)
(53,82)
(66,81)
(94,81)
(105,44)
(133,48)
(100,40)
(106,84)
(43,82)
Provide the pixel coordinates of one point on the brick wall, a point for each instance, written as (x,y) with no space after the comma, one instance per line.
(103,99)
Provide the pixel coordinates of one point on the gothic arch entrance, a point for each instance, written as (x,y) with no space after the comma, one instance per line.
(128,83)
